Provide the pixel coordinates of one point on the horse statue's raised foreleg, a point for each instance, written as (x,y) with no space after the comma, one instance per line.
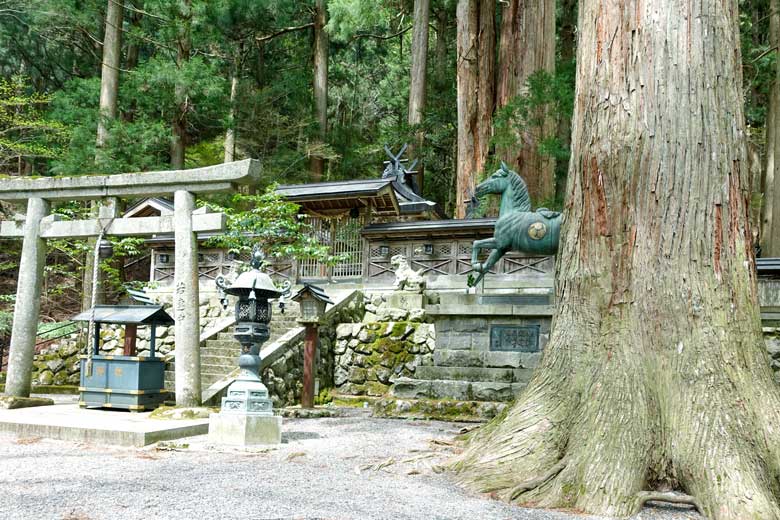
(495,256)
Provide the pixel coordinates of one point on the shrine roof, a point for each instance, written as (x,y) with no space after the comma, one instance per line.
(341,195)
(127,314)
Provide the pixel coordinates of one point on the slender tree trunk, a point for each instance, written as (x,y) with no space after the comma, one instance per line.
(476,94)
(440,53)
(320,53)
(527,45)
(417,85)
(184,48)
(655,374)
(109,90)
(132,56)
(770,229)
(134,45)
(230,133)
(109,82)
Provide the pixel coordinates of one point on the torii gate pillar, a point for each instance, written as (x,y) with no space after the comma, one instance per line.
(186,291)
(184,184)
(27,306)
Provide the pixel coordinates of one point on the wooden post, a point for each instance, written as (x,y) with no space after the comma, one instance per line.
(309,361)
(131,333)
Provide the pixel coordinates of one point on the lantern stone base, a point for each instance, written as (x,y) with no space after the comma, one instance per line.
(244,430)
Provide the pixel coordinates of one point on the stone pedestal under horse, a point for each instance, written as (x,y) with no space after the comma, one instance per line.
(517,228)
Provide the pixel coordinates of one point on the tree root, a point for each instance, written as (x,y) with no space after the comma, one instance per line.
(673,498)
(536,482)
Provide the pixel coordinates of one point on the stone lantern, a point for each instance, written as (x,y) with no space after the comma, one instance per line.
(246,416)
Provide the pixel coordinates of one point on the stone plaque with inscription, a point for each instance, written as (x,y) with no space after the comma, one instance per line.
(514,338)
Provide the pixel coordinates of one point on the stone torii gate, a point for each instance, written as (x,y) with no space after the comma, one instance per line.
(39,225)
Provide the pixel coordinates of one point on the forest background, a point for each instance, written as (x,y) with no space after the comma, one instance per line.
(314,89)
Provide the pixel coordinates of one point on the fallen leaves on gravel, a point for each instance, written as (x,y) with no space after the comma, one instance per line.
(28,440)
(294,455)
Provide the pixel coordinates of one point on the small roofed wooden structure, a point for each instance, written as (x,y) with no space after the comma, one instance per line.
(395,194)
(128,381)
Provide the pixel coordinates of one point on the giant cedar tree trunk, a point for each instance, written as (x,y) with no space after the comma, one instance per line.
(655,374)
(527,45)
(476,93)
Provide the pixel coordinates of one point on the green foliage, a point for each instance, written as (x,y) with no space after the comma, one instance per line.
(25,132)
(546,97)
(272,223)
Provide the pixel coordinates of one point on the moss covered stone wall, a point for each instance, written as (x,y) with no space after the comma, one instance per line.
(370,355)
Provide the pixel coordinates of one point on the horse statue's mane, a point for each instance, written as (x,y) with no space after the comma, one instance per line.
(521,199)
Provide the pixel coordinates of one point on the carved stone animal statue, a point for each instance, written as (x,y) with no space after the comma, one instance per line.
(517,228)
(406,278)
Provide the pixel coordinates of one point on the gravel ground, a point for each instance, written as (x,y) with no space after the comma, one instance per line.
(350,467)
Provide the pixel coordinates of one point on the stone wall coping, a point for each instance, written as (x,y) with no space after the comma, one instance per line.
(490,310)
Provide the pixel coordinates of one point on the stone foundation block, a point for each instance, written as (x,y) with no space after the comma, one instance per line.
(244,430)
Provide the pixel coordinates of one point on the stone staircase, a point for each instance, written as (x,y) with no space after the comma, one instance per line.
(219,355)
(469,375)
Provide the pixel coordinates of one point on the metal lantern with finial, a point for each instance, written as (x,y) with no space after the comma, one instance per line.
(254,289)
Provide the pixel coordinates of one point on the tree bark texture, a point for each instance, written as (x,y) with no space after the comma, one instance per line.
(440,53)
(134,45)
(419,72)
(770,228)
(476,93)
(527,45)
(183,51)
(109,80)
(320,53)
(655,374)
(230,133)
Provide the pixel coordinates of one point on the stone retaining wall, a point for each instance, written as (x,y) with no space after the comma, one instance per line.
(387,342)
(284,378)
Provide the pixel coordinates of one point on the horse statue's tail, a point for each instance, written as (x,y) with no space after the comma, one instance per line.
(522,201)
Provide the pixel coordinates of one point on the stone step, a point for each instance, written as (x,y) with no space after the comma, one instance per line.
(225,361)
(206,380)
(406,388)
(487,359)
(223,352)
(434,409)
(211,368)
(497,375)
(223,343)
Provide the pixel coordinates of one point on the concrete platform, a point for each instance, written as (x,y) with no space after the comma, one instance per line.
(70,423)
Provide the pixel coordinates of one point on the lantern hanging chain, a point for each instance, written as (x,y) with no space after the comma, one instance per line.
(93,296)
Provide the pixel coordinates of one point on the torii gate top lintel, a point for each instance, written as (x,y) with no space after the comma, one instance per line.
(209,179)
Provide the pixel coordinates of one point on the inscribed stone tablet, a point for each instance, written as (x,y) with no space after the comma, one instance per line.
(514,338)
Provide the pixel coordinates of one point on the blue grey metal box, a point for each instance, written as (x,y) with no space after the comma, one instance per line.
(131,383)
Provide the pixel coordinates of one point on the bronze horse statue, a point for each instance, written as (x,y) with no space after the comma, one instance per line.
(517,228)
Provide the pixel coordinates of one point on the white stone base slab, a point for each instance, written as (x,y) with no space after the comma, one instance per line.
(244,430)
(68,422)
